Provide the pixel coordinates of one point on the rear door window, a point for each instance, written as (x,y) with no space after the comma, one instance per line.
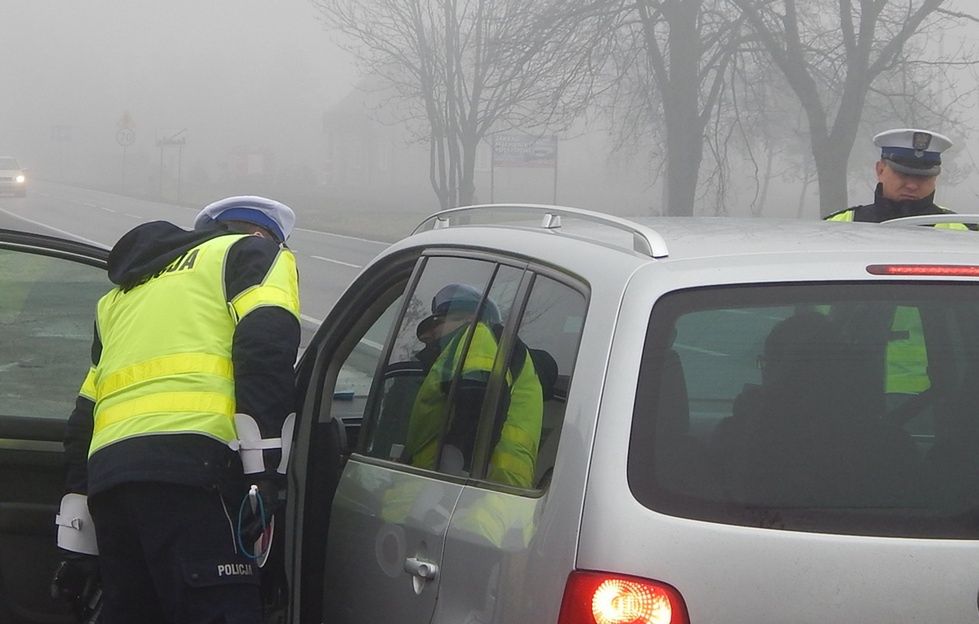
(845,408)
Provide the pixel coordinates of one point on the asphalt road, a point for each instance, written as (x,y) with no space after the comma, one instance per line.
(327,262)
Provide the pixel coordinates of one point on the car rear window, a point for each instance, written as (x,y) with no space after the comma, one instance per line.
(846,408)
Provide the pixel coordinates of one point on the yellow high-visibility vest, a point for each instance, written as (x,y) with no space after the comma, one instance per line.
(166,364)
(515,455)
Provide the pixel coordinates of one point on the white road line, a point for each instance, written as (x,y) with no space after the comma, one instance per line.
(356,266)
(363,240)
(104,208)
(58,230)
(311,319)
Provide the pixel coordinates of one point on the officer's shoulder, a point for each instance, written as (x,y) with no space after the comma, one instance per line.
(840,213)
(254,246)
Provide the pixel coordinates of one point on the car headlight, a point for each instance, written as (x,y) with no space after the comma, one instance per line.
(20,178)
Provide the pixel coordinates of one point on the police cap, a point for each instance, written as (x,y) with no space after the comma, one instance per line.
(912,151)
(272,215)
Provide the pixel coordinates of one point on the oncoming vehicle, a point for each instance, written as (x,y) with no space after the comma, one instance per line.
(13,178)
(719,425)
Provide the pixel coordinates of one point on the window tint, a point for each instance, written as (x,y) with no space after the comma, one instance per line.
(47,311)
(835,408)
(528,421)
(435,379)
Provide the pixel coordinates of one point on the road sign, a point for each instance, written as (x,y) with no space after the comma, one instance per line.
(61,133)
(511,149)
(125,137)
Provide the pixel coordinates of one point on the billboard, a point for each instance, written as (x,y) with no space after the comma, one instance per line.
(512,149)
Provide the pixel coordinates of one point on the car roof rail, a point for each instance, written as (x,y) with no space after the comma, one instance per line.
(645,240)
(935,219)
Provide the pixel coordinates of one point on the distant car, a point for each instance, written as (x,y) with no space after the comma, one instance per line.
(717,440)
(13,177)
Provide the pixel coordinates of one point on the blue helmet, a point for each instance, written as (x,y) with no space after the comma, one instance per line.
(464,298)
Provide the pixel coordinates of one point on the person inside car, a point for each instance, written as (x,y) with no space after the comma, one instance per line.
(441,435)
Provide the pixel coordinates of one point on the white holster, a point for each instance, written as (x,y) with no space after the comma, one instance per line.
(76,531)
(251,446)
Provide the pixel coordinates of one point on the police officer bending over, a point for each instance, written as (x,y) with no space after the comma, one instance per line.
(187,403)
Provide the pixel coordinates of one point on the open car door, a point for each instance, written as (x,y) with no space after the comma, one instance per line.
(48,291)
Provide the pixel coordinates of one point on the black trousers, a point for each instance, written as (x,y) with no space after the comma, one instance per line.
(168,555)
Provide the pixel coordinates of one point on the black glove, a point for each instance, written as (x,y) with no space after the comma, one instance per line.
(77,582)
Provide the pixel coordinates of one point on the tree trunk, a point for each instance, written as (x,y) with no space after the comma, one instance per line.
(831,166)
(681,110)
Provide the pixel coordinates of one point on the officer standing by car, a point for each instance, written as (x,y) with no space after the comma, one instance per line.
(907,173)
(181,431)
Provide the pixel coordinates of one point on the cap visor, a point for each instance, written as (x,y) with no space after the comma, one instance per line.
(927,172)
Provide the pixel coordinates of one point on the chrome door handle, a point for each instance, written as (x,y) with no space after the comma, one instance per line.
(421,568)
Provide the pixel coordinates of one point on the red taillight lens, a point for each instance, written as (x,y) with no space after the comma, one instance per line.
(933,270)
(602,598)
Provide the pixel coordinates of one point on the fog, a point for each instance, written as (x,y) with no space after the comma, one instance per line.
(247,96)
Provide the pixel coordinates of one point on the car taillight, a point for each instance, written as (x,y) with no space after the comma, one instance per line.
(932,270)
(603,598)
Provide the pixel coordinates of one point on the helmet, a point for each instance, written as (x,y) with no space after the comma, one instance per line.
(464,298)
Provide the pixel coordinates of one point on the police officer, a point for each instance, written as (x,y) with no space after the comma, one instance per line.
(186,405)
(433,443)
(907,172)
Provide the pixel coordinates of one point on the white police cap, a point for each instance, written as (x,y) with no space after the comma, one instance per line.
(913,151)
(267,213)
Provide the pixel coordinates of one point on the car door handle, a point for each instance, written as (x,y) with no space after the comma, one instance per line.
(421,568)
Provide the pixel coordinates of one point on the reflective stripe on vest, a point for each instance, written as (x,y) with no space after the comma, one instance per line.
(170,371)
(279,288)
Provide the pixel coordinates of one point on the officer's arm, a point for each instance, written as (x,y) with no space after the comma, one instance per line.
(78,431)
(262,287)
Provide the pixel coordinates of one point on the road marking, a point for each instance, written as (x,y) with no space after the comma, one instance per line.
(104,208)
(356,266)
(58,230)
(311,319)
(363,240)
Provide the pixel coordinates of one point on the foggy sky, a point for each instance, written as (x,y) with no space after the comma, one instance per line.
(252,73)
(229,71)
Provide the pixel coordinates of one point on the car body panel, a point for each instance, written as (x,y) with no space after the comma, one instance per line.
(736,574)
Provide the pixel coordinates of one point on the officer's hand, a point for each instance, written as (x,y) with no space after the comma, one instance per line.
(76,581)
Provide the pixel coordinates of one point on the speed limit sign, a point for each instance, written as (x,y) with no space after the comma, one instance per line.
(125,137)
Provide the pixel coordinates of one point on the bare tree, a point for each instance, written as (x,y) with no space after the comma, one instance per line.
(463,69)
(676,58)
(832,52)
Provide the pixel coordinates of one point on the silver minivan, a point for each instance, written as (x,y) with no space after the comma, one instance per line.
(538,414)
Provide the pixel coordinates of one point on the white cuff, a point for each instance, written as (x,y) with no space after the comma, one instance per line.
(76,531)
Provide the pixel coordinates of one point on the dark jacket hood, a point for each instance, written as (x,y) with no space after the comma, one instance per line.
(151,247)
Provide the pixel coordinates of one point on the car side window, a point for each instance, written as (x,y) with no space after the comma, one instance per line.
(424,414)
(356,374)
(527,425)
(47,311)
